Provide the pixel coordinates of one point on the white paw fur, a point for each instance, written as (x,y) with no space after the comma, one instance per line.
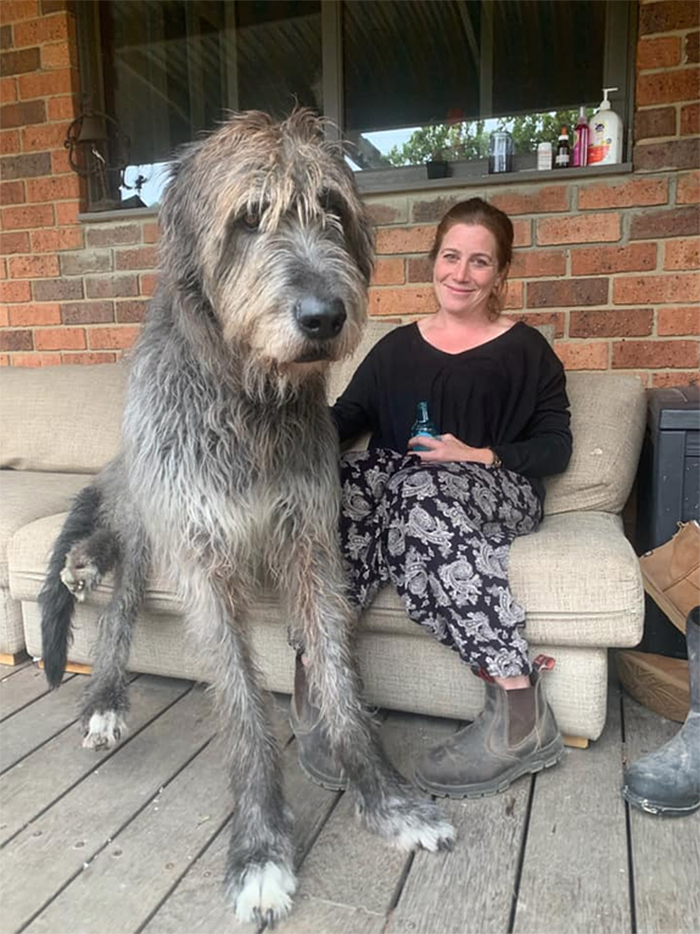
(104,730)
(427,836)
(263,889)
(80,581)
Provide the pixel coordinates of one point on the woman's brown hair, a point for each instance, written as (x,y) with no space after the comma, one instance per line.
(476,211)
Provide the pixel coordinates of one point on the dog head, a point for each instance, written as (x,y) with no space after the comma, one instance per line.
(264,222)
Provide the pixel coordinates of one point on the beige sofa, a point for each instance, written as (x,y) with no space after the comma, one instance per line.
(577,576)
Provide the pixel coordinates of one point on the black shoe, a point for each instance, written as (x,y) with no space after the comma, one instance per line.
(667,781)
(316,757)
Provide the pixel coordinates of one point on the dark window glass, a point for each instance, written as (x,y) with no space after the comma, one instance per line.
(432,78)
(278,54)
(409,63)
(173,67)
(421,79)
(555,49)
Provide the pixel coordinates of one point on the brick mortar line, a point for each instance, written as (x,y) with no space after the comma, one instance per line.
(666,69)
(680,31)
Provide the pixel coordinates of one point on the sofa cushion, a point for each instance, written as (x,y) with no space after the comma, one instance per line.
(608,416)
(577,577)
(438,682)
(61,418)
(27,495)
(12,639)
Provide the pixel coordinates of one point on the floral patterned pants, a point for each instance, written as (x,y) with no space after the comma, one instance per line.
(441,534)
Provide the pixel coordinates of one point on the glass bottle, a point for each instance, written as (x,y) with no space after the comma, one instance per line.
(562,159)
(423,426)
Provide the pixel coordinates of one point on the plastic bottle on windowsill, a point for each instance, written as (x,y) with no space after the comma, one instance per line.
(605,134)
(579,156)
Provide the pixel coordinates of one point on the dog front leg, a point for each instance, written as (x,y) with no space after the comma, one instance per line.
(387,803)
(260,864)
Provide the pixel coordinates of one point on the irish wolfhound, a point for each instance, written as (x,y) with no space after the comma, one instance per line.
(229,471)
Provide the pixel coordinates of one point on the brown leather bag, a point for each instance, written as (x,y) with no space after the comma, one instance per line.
(671,573)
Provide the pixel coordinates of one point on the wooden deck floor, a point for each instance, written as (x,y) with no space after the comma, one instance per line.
(133,840)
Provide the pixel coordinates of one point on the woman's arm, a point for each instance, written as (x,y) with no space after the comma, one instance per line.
(545,449)
(354,411)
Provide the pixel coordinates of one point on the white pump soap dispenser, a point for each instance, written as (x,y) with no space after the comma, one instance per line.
(605,134)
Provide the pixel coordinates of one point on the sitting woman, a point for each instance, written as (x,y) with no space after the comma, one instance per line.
(435,516)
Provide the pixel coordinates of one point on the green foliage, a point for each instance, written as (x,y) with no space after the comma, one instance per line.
(465,141)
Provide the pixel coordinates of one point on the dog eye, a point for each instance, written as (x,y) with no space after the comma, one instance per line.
(332,205)
(251,220)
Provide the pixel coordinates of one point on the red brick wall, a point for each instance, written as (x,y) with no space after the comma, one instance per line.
(612,262)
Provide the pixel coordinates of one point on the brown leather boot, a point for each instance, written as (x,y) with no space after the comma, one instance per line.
(316,757)
(671,574)
(515,733)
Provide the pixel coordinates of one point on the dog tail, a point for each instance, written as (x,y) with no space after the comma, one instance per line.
(56,600)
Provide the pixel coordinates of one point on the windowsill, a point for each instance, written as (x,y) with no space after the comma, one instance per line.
(414,178)
(118,215)
(389,181)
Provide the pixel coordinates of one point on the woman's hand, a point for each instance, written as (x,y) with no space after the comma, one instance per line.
(448,448)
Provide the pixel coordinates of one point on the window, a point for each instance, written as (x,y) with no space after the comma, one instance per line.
(401,79)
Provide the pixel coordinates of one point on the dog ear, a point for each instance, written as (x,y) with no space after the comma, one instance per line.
(360,235)
(179,244)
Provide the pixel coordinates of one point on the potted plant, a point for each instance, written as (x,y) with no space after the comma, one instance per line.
(437,164)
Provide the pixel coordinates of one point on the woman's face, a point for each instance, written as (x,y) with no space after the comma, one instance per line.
(466,269)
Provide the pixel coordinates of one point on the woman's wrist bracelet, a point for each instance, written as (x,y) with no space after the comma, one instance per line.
(496,459)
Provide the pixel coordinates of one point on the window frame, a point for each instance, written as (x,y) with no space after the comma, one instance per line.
(618,71)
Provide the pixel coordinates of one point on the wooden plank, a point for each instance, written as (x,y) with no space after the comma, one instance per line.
(350,866)
(35,782)
(21,688)
(575,871)
(577,742)
(665,851)
(14,658)
(471,888)
(34,724)
(53,849)
(198,905)
(127,880)
(77,668)
(313,915)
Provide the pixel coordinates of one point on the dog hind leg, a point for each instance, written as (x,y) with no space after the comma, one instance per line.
(57,603)
(260,864)
(105,700)
(88,561)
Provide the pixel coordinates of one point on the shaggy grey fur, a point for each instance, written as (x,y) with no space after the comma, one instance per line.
(229,473)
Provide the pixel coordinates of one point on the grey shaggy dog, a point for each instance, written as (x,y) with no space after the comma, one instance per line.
(228,473)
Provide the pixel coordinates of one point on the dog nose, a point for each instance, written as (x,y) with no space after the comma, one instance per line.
(320,319)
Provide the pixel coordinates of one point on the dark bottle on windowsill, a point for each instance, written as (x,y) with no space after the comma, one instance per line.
(423,426)
(562,159)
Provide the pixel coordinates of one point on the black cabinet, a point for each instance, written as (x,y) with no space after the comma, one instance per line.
(668,492)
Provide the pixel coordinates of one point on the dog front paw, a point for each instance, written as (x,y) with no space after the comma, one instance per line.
(262,894)
(409,822)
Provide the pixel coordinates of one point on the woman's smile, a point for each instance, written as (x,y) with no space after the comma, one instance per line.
(466,269)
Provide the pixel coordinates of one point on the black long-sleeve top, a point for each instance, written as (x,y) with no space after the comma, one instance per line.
(508,394)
